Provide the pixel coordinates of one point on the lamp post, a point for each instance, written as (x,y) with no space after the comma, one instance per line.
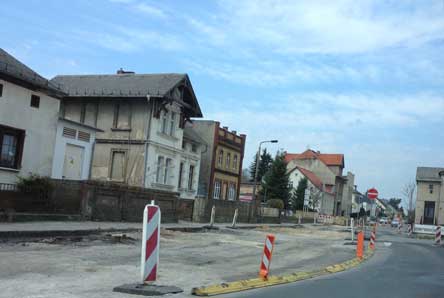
(258,155)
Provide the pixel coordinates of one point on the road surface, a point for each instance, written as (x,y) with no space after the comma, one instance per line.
(401,267)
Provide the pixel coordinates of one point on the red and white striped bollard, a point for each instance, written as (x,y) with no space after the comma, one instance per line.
(438,235)
(150,243)
(266,257)
(410,230)
(373,238)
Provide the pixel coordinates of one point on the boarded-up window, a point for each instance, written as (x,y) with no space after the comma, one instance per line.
(118,165)
(90,113)
(72,111)
(122,116)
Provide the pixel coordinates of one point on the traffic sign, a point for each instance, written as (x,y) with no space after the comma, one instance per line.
(372,193)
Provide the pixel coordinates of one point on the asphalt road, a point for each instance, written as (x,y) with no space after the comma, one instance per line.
(401,267)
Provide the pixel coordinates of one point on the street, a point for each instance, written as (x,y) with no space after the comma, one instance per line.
(406,268)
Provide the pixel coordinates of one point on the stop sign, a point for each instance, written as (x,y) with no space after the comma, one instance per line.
(372,193)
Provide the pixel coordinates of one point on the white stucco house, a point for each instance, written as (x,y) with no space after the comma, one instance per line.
(29,111)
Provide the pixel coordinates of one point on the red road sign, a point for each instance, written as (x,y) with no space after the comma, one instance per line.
(372,193)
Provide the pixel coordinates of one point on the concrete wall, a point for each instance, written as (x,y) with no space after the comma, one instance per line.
(224,210)
(60,148)
(346,202)
(40,125)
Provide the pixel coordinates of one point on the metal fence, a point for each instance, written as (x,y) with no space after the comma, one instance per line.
(8,187)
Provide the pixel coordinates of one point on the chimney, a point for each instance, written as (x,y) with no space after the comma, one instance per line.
(233,132)
(225,127)
(318,152)
(121,71)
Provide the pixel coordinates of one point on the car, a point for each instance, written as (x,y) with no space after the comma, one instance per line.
(395,223)
(383,220)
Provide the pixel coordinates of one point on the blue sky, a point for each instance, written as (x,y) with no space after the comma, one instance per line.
(363,78)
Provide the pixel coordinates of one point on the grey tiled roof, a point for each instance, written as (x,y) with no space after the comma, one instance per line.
(428,173)
(118,85)
(16,72)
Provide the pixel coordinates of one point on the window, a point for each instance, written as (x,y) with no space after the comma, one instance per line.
(166,176)
(183,145)
(89,114)
(122,116)
(35,101)
(118,158)
(220,158)
(180,174)
(1,90)
(216,192)
(191,177)
(431,188)
(194,148)
(228,162)
(164,124)
(11,147)
(159,172)
(232,191)
(172,123)
(235,162)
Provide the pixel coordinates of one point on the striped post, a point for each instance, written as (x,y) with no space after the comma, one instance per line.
(410,230)
(266,257)
(438,235)
(399,227)
(373,238)
(150,243)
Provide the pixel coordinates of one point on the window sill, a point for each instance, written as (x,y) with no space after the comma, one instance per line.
(167,136)
(164,186)
(120,129)
(9,169)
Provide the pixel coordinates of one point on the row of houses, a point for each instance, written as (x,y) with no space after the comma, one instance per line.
(138,129)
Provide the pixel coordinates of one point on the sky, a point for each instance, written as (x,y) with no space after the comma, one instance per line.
(362,78)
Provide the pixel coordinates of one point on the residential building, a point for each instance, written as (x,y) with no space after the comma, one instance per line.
(221,164)
(321,198)
(29,107)
(429,196)
(142,118)
(329,168)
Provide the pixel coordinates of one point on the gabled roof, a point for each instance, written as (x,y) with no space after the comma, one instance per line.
(328,159)
(312,177)
(16,72)
(429,174)
(128,85)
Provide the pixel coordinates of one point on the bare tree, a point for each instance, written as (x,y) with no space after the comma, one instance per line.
(408,191)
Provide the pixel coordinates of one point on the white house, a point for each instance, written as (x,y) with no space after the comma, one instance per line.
(29,109)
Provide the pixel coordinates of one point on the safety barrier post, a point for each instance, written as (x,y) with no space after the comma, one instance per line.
(266,257)
(213,214)
(352,229)
(299,219)
(373,238)
(410,230)
(233,225)
(360,245)
(438,235)
(150,243)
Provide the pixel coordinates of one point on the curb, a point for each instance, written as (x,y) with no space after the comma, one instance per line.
(255,283)
(58,233)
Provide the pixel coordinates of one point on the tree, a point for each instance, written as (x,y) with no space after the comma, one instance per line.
(408,191)
(276,181)
(297,195)
(394,202)
(265,162)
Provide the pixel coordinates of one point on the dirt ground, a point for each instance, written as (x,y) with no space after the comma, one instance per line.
(91,266)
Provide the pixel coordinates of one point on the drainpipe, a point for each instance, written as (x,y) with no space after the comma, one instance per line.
(147,129)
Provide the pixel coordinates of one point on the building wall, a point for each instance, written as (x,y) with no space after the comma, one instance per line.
(347,191)
(317,167)
(60,147)
(40,125)
(190,158)
(423,194)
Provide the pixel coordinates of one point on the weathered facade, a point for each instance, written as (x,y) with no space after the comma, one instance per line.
(29,106)
(221,164)
(429,196)
(142,118)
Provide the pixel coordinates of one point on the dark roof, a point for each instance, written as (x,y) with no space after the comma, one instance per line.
(14,71)
(190,134)
(127,85)
(428,174)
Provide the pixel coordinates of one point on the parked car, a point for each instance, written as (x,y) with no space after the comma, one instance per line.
(383,220)
(395,223)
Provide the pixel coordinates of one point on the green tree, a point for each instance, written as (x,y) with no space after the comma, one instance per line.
(297,195)
(265,162)
(276,181)
(394,202)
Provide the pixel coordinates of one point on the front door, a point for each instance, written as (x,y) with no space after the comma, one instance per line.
(429,212)
(73,164)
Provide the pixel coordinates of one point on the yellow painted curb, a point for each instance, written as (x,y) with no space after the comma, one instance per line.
(255,283)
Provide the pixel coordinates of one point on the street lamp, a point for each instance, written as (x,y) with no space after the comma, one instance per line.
(258,155)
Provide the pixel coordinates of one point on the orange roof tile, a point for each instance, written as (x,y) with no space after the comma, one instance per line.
(312,177)
(328,159)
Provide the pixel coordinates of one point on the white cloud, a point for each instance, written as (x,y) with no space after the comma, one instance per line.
(149,10)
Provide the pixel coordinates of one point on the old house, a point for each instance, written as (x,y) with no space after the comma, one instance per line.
(429,196)
(29,107)
(329,168)
(143,140)
(221,164)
